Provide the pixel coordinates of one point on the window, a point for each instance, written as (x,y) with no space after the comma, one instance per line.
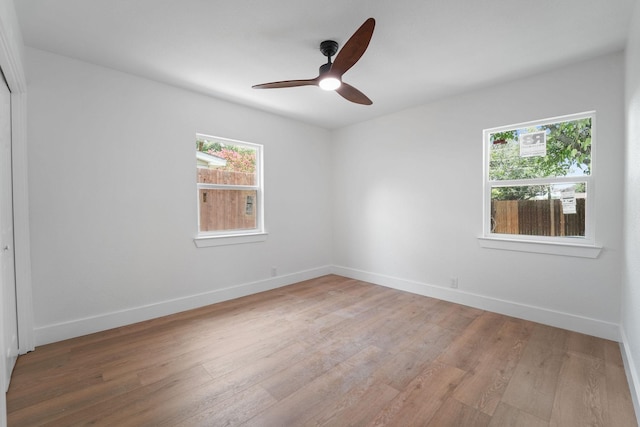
(229,185)
(539,177)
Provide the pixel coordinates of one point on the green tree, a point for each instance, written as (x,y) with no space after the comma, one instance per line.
(568,153)
(207,146)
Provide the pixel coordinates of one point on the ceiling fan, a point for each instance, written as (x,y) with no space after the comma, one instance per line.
(330,76)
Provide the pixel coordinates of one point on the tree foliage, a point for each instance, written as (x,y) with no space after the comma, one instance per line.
(239,159)
(568,146)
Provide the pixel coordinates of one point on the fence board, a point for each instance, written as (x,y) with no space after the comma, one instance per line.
(226,209)
(537,218)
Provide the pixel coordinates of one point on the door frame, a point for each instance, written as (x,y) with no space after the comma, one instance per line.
(11,50)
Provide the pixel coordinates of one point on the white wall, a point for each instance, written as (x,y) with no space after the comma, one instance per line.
(113,210)
(631,272)
(11,63)
(408,201)
(113,200)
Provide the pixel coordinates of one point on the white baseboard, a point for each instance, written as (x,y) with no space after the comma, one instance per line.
(585,325)
(78,327)
(633,376)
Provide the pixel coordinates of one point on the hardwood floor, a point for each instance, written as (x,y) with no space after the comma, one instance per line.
(329,351)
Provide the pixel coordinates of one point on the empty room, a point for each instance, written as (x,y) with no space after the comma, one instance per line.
(285,213)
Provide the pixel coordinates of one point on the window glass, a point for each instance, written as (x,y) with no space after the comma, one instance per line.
(539,178)
(229,186)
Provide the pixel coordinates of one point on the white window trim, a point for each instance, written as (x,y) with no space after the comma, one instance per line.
(565,246)
(230,239)
(233,237)
(540,247)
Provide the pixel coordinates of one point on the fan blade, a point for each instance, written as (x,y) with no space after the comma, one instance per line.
(287,83)
(354,48)
(352,94)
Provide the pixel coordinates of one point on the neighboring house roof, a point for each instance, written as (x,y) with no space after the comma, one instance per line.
(209,160)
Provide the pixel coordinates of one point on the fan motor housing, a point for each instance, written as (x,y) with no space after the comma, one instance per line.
(324,68)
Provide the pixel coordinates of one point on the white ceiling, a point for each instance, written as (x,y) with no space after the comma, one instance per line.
(421,49)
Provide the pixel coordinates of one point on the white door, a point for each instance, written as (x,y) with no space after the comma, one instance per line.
(7,266)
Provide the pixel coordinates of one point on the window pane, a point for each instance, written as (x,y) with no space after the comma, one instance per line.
(225,163)
(539,210)
(548,150)
(229,186)
(222,210)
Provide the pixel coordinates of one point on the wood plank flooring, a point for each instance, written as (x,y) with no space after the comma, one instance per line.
(330,351)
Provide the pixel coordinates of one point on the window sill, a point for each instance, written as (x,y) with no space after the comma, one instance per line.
(210,241)
(550,248)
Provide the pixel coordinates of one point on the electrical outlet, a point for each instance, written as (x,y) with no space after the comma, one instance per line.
(274,271)
(454,282)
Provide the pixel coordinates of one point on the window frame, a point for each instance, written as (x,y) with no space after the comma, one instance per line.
(235,236)
(558,245)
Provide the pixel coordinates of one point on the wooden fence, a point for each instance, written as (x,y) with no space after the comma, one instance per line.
(537,218)
(226,209)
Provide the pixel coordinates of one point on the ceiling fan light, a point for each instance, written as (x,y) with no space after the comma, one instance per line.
(330,83)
